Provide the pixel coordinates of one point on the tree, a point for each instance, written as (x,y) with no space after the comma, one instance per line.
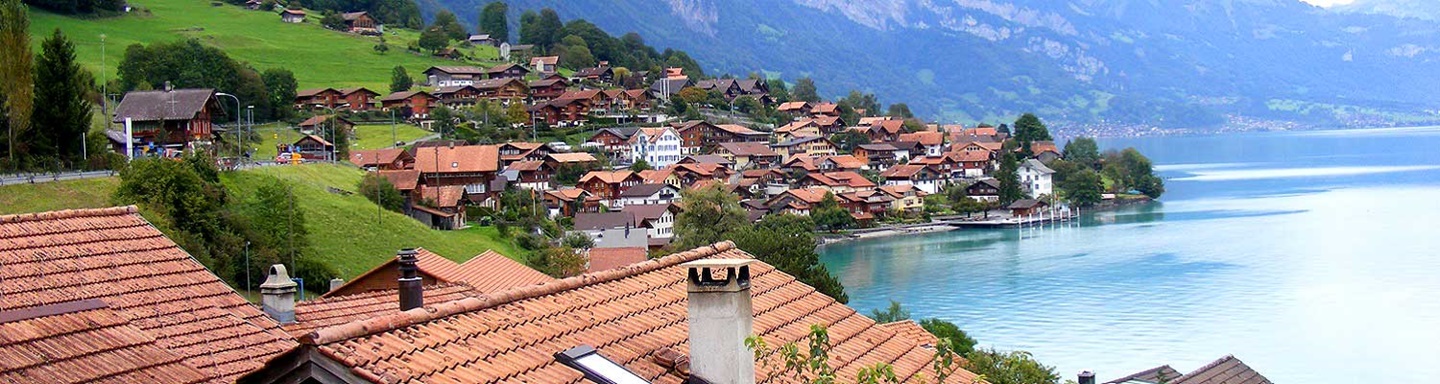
(191,64)
(849,139)
(16,75)
(693,95)
(379,190)
(778,90)
(516,113)
(640,165)
(445,120)
(805,91)
(558,261)
(1004,128)
(1029,128)
(400,80)
(1084,188)
(528,32)
(785,242)
(1009,177)
(812,365)
(1014,367)
(333,21)
(446,22)
(281,85)
(1083,151)
(829,215)
(276,223)
(492,21)
(575,53)
(865,101)
(433,40)
(543,30)
(891,314)
(710,213)
(944,330)
(901,111)
(62,114)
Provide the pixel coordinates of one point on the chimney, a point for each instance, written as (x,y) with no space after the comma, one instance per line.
(720,317)
(411,294)
(1087,377)
(336,283)
(277,295)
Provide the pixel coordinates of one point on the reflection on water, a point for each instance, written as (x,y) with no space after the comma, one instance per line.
(1318,278)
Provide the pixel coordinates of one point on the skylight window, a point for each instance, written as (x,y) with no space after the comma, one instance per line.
(596,367)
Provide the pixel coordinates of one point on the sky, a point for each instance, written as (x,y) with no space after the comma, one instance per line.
(1327,3)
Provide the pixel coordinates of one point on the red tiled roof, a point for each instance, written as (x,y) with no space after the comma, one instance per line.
(82,342)
(846,161)
(488,272)
(461,159)
(749,148)
(330,311)
(607,177)
(912,330)
(791,106)
(903,170)
(924,138)
(825,108)
(635,315)
(891,126)
(375,157)
(443,197)
(404,180)
(656,176)
(610,258)
(525,166)
(568,194)
(114,255)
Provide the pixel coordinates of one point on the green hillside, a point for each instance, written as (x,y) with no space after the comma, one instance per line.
(318,57)
(345,231)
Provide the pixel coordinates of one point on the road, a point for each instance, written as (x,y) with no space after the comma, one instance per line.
(32,178)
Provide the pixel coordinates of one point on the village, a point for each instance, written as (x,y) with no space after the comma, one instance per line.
(609,167)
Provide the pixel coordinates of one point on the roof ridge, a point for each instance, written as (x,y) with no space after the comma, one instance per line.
(427,313)
(68,214)
(1211,365)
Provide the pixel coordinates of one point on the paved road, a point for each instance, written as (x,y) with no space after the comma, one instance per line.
(33,178)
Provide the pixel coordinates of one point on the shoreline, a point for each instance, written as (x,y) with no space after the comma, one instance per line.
(933,227)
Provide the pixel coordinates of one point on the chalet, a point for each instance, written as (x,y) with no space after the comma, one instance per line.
(806,146)
(450,53)
(692,173)
(879,155)
(840,163)
(923,177)
(471,166)
(986,190)
(870,121)
(865,205)
(756,88)
(707,159)
(530,174)
(506,89)
(1045,151)
(628,99)
(749,154)
(571,159)
(358,99)
(989,148)
(389,159)
(726,87)
(562,112)
(908,199)
(657,219)
(614,142)
(570,201)
(795,109)
(800,164)
(667,87)
(548,88)
(169,118)
(825,109)
(593,99)
(292,16)
(545,64)
(659,147)
(458,96)
(310,147)
(507,70)
(805,127)
(601,73)
(407,181)
(453,76)
(440,207)
(934,142)
(837,182)
(657,193)
(414,104)
(1225,370)
(481,39)
(829,124)
(1035,177)
(318,98)
(796,201)
(514,151)
(361,23)
(739,133)
(103,296)
(608,185)
(323,123)
(885,131)
(1027,207)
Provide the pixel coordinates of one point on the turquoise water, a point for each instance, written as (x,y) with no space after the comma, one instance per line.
(1314,257)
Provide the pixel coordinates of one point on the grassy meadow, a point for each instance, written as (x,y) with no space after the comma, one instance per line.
(318,57)
(54,196)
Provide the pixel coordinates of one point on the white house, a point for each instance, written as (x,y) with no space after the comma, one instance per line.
(649,194)
(1035,176)
(657,219)
(659,147)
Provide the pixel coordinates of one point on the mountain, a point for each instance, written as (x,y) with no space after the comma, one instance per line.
(1419,9)
(1169,63)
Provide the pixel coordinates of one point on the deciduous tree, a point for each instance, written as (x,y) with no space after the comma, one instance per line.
(16,76)
(281,85)
(805,91)
(433,39)
(492,21)
(1083,151)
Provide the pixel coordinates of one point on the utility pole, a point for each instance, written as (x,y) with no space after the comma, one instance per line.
(393,138)
(237,121)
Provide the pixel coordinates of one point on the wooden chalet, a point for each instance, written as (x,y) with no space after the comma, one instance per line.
(506,71)
(359,99)
(169,118)
(548,88)
(389,159)
(414,104)
(360,22)
(318,98)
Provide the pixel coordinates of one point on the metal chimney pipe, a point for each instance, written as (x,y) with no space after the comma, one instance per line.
(411,292)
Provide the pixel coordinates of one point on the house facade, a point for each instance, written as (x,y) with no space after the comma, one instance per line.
(1035,177)
(659,147)
(169,118)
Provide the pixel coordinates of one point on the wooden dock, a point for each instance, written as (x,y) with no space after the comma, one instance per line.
(1041,219)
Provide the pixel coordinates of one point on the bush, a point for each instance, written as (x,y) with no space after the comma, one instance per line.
(530,241)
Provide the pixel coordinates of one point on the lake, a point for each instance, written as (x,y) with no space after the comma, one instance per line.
(1312,256)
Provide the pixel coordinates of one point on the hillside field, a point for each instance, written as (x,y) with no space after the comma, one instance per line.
(318,57)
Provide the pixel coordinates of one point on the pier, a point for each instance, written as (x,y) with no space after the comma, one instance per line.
(1004,220)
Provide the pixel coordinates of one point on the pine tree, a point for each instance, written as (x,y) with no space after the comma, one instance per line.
(1009,177)
(492,21)
(805,91)
(400,80)
(62,114)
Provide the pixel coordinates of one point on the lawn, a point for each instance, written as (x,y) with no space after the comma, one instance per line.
(318,57)
(57,195)
(349,233)
(380,135)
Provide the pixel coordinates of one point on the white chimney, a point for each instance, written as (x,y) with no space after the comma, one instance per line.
(277,295)
(336,283)
(721,317)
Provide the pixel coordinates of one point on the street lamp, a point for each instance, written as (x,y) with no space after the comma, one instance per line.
(237,121)
(249,125)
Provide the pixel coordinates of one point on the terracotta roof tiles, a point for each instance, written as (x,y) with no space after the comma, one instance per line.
(610,258)
(486,273)
(83,342)
(115,256)
(330,311)
(460,159)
